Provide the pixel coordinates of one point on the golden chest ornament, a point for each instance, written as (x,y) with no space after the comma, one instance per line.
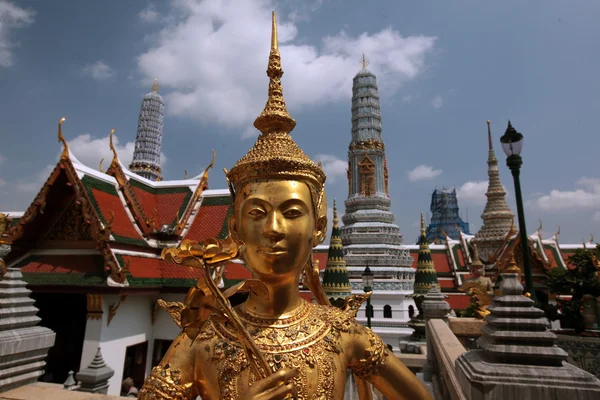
(307,340)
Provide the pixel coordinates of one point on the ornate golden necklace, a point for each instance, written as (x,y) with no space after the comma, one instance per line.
(304,340)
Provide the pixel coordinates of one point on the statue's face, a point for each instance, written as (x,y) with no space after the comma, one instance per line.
(275,219)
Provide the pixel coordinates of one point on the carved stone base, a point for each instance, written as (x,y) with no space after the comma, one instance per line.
(23,345)
(482,380)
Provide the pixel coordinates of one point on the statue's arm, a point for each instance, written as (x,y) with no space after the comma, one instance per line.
(177,376)
(373,361)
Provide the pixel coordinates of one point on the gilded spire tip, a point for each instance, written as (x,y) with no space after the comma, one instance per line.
(422,224)
(364,62)
(274,38)
(490,135)
(155,86)
(275,117)
(335,215)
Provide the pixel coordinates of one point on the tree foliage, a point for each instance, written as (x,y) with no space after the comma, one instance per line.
(578,280)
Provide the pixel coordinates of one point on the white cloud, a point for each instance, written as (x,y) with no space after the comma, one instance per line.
(334,167)
(11,17)
(437,102)
(211,61)
(423,172)
(99,70)
(588,197)
(473,192)
(149,14)
(90,150)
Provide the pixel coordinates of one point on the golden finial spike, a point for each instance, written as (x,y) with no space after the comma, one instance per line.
(185,174)
(539,230)
(335,215)
(591,238)
(65,153)
(155,86)
(100,166)
(112,147)
(274,38)
(557,232)
(422,224)
(490,144)
(275,118)
(364,62)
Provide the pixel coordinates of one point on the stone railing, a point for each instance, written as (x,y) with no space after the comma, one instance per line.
(49,391)
(444,348)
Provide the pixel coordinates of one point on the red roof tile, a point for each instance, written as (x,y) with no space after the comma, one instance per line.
(446,283)
(208,223)
(551,259)
(165,206)
(155,268)
(108,203)
(61,264)
(461,257)
(235,271)
(440,262)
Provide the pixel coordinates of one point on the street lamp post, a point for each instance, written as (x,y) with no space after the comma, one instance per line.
(512,144)
(367,278)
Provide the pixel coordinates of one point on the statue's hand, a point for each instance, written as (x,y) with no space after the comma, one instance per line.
(273,387)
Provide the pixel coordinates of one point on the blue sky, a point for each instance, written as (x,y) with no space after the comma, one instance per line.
(443,69)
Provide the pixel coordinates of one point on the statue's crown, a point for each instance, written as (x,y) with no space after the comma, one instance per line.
(275,154)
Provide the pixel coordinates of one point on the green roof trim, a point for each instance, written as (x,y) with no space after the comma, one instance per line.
(216,201)
(225,227)
(98,278)
(457,258)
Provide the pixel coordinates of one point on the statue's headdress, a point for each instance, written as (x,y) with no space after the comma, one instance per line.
(275,155)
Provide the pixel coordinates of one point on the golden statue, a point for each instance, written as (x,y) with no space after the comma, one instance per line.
(479,287)
(276,345)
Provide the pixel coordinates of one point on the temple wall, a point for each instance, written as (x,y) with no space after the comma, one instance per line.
(164,327)
(131,325)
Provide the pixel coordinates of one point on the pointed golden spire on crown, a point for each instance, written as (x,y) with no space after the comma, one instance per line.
(364,62)
(275,155)
(65,153)
(155,86)
(275,118)
(335,216)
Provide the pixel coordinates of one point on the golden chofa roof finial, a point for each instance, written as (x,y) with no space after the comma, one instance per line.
(364,62)
(275,118)
(65,153)
(155,86)
(112,146)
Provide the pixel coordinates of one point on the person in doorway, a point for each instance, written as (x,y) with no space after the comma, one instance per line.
(129,389)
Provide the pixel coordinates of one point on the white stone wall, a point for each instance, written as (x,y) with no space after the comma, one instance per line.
(131,325)
(399,304)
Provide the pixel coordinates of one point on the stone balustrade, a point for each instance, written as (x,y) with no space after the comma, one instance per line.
(446,349)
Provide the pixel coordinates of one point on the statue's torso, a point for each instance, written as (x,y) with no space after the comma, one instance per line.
(316,340)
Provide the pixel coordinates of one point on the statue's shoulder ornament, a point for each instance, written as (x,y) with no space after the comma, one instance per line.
(344,321)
